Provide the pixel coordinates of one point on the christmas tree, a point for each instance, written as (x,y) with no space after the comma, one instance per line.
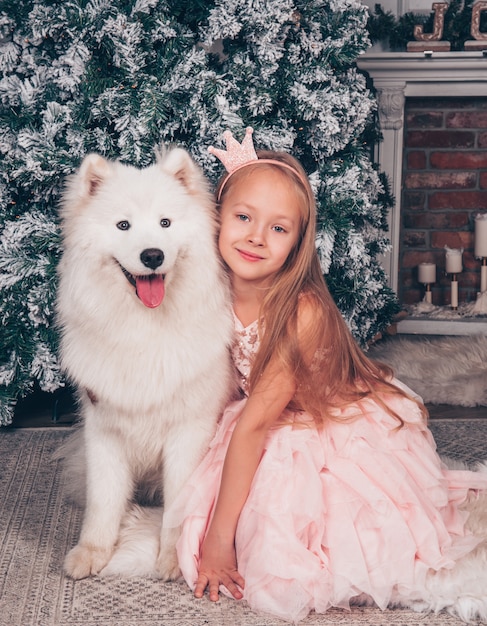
(121,78)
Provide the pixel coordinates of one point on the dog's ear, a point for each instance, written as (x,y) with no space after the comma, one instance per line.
(181,166)
(83,184)
(93,171)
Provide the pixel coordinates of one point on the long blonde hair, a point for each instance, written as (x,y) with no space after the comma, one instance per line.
(341,372)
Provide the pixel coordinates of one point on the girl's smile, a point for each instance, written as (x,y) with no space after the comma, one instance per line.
(249,256)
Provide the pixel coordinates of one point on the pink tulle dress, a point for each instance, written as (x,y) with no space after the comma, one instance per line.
(357,507)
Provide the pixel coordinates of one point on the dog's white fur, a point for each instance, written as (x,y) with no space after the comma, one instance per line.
(461,591)
(152,381)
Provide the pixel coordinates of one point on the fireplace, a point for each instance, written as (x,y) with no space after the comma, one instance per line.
(399,78)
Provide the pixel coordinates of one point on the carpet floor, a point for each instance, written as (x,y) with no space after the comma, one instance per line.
(38,526)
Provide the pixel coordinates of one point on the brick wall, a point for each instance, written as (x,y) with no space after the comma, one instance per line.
(444,186)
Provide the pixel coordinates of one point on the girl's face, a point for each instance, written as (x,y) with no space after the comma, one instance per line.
(260,221)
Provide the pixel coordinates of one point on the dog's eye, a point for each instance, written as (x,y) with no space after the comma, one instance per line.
(123,225)
(165,223)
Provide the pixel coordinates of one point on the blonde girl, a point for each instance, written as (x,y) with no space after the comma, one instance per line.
(322,483)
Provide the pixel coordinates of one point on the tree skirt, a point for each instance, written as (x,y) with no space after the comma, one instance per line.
(442,370)
(39,526)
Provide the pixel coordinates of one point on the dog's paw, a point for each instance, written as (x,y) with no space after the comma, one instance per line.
(83,561)
(167,565)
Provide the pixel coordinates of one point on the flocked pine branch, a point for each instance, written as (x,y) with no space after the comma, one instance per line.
(120,78)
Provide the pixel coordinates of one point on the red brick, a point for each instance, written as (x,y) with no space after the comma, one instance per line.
(482,140)
(469,261)
(407,278)
(458,160)
(466,279)
(458,219)
(459,239)
(440,139)
(440,180)
(416,160)
(436,221)
(444,280)
(424,119)
(458,200)
(412,239)
(413,200)
(483,180)
(467,119)
(436,296)
(416,220)
(412,258)
(470,279)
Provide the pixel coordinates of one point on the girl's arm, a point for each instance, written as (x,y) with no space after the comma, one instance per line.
(218,561)
(218,564)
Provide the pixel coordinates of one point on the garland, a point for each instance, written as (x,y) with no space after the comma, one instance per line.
(383,25)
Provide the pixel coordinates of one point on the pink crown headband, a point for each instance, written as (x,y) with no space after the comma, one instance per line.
(239,155)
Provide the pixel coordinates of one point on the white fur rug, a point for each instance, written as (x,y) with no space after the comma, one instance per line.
(442,370)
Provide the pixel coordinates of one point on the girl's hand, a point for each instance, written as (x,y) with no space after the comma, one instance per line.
(218,566)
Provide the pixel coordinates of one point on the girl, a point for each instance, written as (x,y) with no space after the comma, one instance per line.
(322,482)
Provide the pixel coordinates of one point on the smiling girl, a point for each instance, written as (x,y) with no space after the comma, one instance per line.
(322,482)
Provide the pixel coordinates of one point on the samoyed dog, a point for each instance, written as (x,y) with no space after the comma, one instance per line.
(146,326)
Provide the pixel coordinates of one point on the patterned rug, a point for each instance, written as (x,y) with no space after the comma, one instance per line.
(38,527)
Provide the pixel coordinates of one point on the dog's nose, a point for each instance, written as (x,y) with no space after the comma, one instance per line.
(152,257)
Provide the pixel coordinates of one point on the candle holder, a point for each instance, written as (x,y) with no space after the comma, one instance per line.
(483,275)
(427,293)
(480,249)
(454,292)
(480,307)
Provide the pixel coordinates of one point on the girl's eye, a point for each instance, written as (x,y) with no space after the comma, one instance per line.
(123,225)
(279,229)
(242,217)
(165,223)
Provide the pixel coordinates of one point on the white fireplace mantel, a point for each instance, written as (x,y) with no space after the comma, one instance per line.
(397,76)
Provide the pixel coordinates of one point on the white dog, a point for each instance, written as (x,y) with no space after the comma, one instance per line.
(146,326)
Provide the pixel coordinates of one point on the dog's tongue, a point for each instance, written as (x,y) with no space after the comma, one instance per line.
(150,289)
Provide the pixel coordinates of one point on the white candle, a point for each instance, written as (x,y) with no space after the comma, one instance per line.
(481,235)
(427,273)
(453,261)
